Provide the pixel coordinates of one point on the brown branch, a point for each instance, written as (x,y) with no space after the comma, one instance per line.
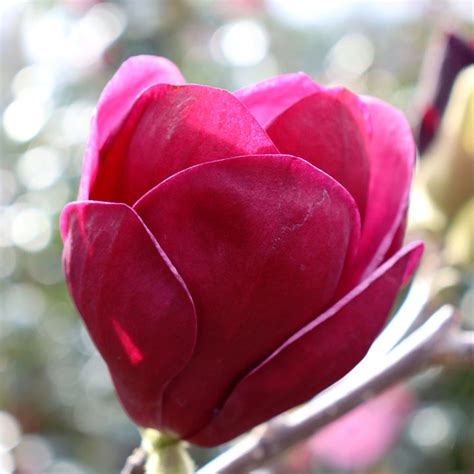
(456,349)
(438,340)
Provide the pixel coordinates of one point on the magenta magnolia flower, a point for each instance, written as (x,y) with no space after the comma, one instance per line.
(234,254)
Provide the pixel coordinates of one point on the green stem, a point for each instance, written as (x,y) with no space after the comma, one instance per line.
(166,455)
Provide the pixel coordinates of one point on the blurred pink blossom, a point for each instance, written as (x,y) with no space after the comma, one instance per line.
(362,437)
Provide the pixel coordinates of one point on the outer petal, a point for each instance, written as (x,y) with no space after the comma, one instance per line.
(135,75)
(261,242)
(170,129)
(392,158)
(328,129)
(315,357)
(135,306)
(270,98)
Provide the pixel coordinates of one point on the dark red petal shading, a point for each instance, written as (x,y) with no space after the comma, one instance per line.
(315,357)
(328,129)
(261,242)
(170,129)
(270,98)
(133,76)
(392,158)
(135,306)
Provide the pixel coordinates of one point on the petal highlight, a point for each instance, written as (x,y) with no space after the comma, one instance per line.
(132,78)
(270,98)
(392,156)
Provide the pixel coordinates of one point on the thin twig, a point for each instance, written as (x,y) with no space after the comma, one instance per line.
(135,463)
(436,341)
(456,349)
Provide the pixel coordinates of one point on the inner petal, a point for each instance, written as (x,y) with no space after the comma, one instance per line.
(328,129)
(261,242)
(171,128)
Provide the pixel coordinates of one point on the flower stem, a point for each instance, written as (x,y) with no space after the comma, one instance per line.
(165,454)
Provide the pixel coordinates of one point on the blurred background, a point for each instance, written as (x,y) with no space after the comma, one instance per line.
(58,412)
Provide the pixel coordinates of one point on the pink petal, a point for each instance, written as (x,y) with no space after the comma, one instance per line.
(133,76)
(392,158)
(328,129)
(363,436)
(315,357)
(261,242)
(270,98)
(135,306)
(170,129)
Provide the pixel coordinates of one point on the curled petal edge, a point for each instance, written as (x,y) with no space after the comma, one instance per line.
(234,417)
(133,77)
